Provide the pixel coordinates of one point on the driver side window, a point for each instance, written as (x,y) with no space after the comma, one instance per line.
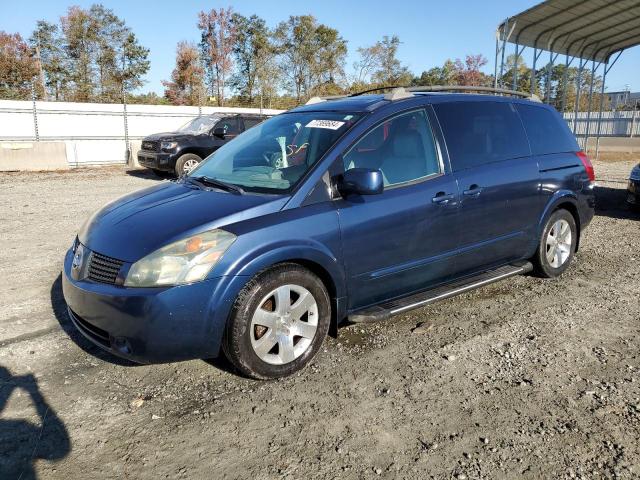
(402,148)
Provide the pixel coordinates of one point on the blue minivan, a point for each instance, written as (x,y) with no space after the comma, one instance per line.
(350,209)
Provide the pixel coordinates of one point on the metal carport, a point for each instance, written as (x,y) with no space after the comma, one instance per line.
(595,31)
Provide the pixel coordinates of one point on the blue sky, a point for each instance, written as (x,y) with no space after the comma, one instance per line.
(430,31)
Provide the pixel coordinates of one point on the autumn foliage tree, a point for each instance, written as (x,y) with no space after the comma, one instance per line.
(186,84)
(469,72)
(218,36)
(17,67)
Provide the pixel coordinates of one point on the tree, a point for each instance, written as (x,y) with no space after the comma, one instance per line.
(312,56)
(17,67)
(379,65)
(468,72)
(80,43)
(367,65)
(186,85)
(523,81)
(91,56)
(218,34)
(47,42)
(253,48)
(445,75)
(134,63)
(390,71)
(329,62)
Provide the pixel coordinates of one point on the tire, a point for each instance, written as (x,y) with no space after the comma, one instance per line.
(162,173)
(273,351)
(556,248)
(185,161)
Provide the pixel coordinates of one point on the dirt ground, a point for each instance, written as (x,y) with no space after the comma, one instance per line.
(527,378)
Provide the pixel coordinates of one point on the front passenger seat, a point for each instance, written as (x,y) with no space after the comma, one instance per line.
(406,161)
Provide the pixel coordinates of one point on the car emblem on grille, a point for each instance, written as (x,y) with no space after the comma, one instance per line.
(77,258)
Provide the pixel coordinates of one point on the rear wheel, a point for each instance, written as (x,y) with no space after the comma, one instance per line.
(186,163)
(557,245)
(278,322)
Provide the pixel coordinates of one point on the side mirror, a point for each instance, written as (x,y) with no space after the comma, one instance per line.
(219,132)
(362,181)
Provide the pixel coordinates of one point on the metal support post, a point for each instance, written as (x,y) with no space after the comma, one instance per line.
(582,64)
(35,111)
(594,68)
(536,55)
(495,62)
(565,82)
(504,46)
(607,67)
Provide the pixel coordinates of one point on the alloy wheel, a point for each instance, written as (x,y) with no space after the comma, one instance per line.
(189,165)
(558,243)
(284,324)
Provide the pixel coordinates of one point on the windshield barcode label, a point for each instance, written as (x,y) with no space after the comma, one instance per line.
(330,124)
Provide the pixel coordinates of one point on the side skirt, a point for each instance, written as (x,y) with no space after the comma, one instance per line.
(392,307)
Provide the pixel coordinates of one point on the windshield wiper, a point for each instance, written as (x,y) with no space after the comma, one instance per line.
(214,182)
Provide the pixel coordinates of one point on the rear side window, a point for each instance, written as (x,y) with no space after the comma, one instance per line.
(230,125)
(252,122)
(547,132)
(481,132)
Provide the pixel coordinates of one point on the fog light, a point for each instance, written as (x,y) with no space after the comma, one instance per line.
(121,344)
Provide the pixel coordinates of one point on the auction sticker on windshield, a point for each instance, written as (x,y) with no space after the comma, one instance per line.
(330,124)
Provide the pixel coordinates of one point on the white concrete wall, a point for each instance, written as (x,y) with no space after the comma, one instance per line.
(94,133)
(18,156)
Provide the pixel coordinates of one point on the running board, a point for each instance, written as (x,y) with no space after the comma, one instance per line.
(417,300)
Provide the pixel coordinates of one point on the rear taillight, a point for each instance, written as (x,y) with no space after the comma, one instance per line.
(588,166)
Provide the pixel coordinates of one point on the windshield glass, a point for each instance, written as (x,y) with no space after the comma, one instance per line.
(199,125)
(273,156)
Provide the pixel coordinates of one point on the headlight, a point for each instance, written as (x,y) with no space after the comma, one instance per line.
(185,261)
(168,145)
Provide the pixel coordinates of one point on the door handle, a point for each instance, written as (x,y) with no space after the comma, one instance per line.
(474,191)
(443,198)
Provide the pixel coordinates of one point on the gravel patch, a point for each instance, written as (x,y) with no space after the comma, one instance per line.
(527,378)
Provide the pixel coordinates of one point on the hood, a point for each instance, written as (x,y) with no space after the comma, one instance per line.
(139,223)
(168,136)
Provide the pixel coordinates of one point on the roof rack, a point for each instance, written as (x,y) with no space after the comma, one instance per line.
(398,93)
(473,89)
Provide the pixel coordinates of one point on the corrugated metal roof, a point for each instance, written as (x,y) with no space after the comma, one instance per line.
(588,29)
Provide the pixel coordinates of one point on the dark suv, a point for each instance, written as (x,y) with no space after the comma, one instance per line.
(358,208)
(179,152)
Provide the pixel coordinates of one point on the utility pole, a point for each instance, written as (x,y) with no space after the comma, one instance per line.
(124,105)
(40,70)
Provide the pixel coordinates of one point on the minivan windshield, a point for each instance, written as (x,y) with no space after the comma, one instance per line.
(199,125)
(273,156)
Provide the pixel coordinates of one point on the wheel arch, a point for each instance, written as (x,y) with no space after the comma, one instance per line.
(562,200)
(573,210)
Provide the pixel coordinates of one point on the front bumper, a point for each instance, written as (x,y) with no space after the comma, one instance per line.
(157,160)
(633,193)
(148,325)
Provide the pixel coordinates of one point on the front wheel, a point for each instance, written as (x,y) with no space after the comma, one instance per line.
(557,245)
(186,163)
(278,322)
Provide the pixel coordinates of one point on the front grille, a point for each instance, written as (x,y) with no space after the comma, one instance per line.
(104,269)
(151,146)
